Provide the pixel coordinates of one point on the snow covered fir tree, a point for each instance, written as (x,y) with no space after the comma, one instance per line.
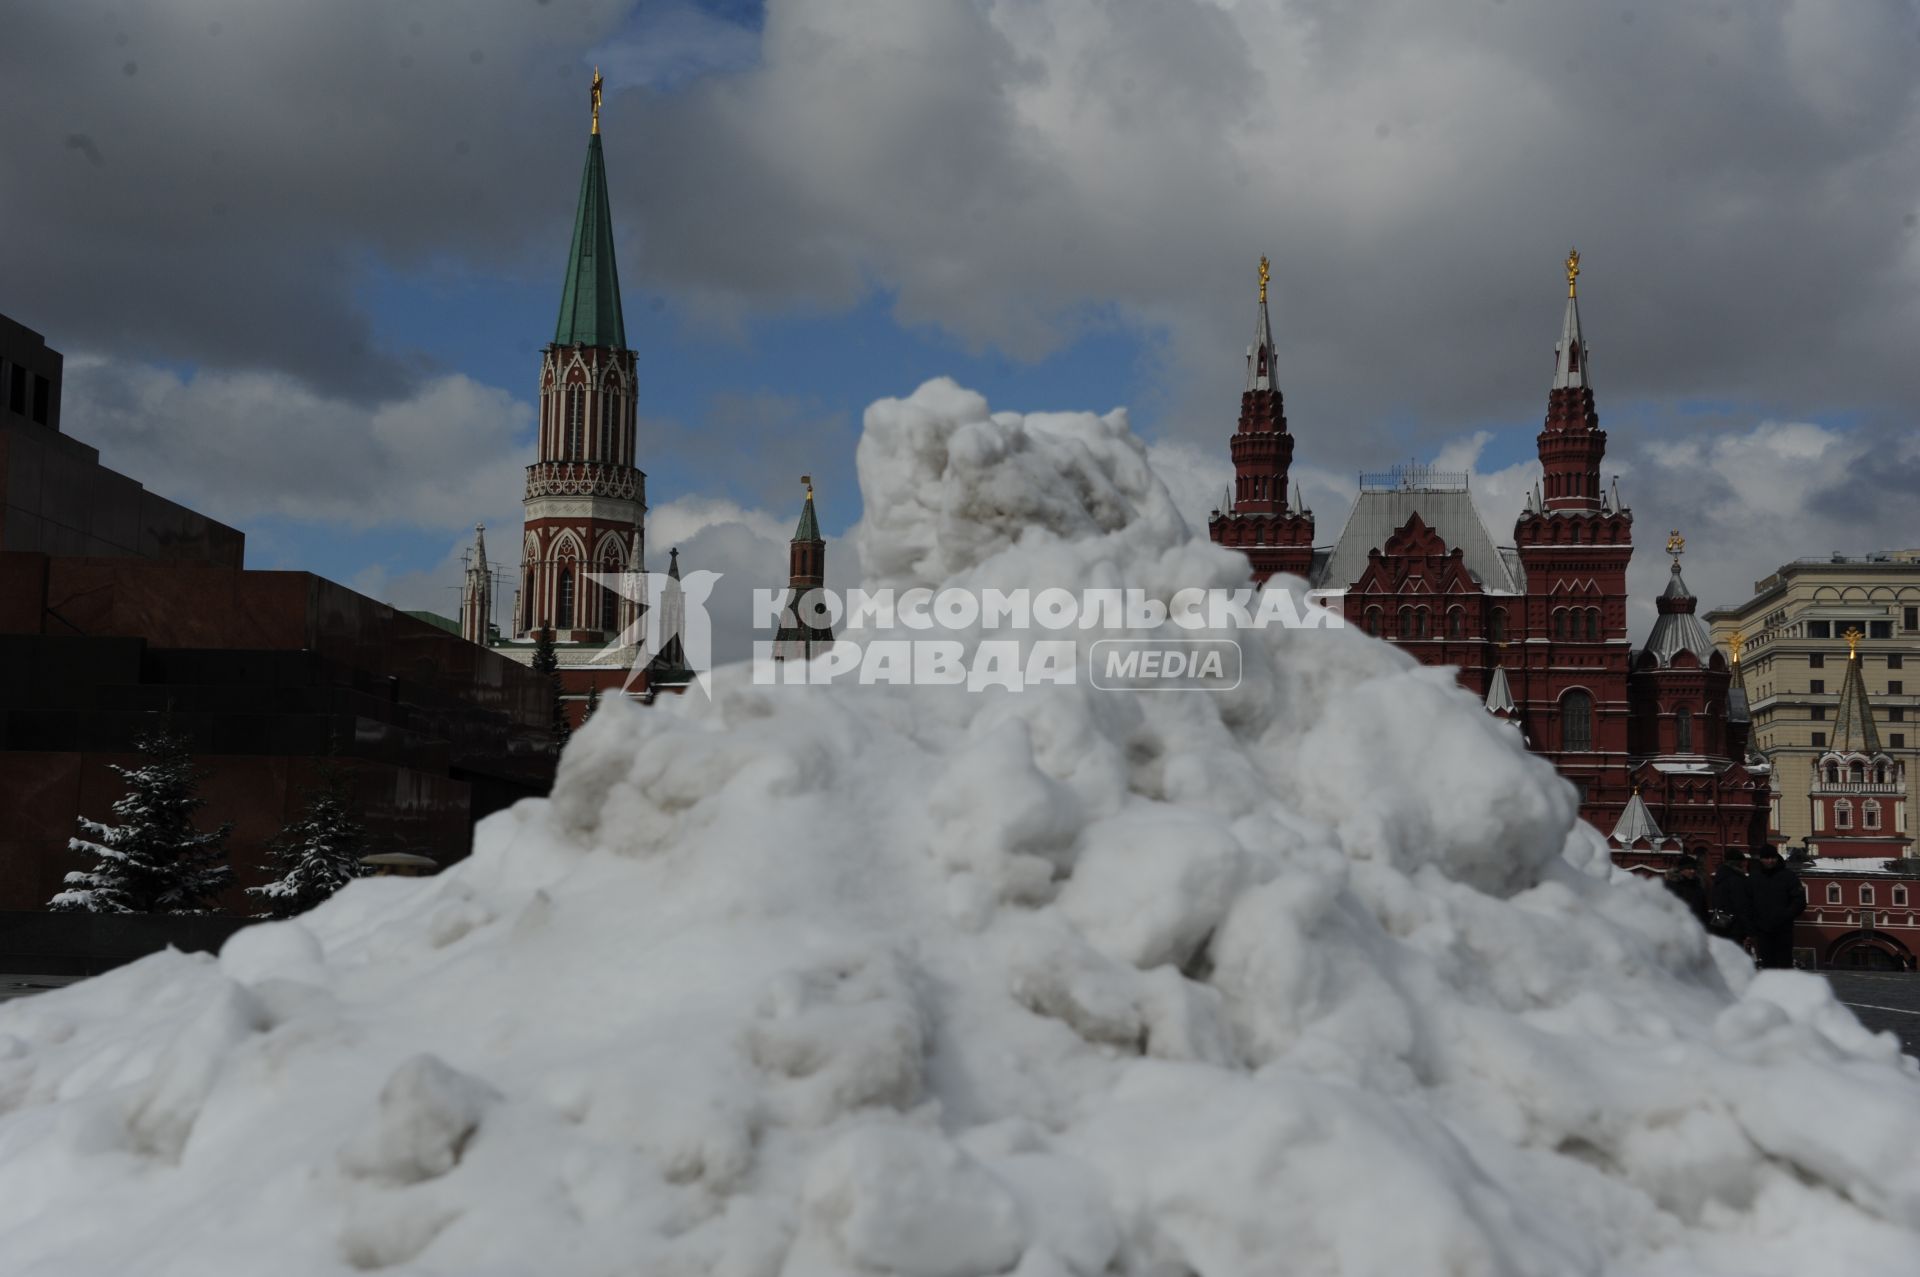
(318,853)
(156,860)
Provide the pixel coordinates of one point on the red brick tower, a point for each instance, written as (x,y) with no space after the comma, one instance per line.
(799,637)
(586,498)
(1574,545)
(1265,520)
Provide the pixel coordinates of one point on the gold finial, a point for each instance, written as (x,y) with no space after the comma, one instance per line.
(597,82)
(808,480)
(1264,273)
(1676,544)
(1573,268)
(1853,637)
(1736,641)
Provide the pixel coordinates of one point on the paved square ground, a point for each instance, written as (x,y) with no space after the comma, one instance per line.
(1883,1000)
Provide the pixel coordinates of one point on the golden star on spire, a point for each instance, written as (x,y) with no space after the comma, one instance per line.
(595,92)
(1264,273)
(808,480)
(1573,268)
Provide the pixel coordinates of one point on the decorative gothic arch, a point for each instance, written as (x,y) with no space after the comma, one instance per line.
(1576,720)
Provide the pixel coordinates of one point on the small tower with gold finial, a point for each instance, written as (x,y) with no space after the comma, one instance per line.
(805,629)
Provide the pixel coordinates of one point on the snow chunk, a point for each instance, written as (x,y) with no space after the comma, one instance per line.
(428,1111)
(907,1202)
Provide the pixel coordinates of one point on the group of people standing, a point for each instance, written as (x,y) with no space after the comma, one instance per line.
(1753,908)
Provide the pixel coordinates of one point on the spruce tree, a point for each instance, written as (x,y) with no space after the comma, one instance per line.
(318,853)
(155,860)
(593,703)
(546,660)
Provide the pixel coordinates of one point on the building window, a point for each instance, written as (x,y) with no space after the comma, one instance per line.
(1819,713)
(1576,721)
(1593,623)
(1900,896)
(1895,661)
(609,601)
(1833,893)
(1870,815)
(1833,773)
(1497,631)
(1819,739)
(1818,661)
(606,426)
(563,609)
(1819,629)
(40,391)
(1879,629)
(1406,622)
(1911,617)
(1857,772)
(1817,687)
(1866,893)
(1456,623)
(1683,731)
(1559,622)
(1375,617)
(1895,687)
(576,421)
(1843,815)
(17,391)
(1896,715)
(1898,740)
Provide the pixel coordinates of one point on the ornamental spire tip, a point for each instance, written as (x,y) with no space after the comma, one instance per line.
(1573,269)
(595,94)
(1265,274)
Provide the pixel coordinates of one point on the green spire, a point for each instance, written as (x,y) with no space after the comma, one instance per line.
(590,304)
(1854,731)
(809,529)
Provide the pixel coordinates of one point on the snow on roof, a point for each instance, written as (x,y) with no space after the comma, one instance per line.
(1377,515)
(1880,865)
(917,981)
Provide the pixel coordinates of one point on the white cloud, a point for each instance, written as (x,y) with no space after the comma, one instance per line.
(238,446)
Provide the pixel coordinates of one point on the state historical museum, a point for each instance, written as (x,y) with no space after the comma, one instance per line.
(1654,738)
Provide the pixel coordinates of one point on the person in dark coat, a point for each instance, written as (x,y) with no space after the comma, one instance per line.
(1778,898)
(1684,881)
(1729,902)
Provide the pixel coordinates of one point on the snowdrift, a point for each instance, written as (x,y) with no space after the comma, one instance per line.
(1318,976)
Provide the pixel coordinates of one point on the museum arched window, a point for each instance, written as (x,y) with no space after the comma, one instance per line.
(1497,626)
(1576,721)
(1375,619)
(1456,623)
(1406,622)
(1857,772)
(1683,730)
(1422,623)
(1833,773)
(1593,623)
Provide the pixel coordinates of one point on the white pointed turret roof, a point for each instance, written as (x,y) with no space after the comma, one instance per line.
(1500,694)
(1636,823)
(1260,354)
(1570,353)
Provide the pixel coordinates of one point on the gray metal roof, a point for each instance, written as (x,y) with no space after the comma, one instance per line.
(1570,356)
(1635,823)
(1677,629)
(1378,515)
(1500,693)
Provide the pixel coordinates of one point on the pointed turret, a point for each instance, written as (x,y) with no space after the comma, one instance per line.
(590,300)
(476,598)
(1262,515)
(1637,825)
(1572,443)
(804,631)
(1677,629)
(1499,701)
(1854,731)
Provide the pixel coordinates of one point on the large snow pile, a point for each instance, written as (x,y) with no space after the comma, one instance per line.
(1316,976)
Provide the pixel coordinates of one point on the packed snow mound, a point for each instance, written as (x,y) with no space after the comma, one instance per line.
(1317,976)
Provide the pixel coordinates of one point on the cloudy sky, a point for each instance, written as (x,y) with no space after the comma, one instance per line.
(301,256)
